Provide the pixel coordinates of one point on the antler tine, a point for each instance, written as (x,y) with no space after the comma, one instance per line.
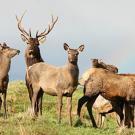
(37,34)
(50,27)
(41,34)
(52,18)
(20,27)
(30,32)
(100,60)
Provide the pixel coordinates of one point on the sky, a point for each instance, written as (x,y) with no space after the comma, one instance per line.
(105,27)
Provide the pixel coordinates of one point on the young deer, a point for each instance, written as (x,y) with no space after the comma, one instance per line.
(6,53)
(32,53)
(56,81)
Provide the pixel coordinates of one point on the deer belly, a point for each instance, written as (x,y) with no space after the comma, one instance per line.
(51,92)
(112,95)
(48,88)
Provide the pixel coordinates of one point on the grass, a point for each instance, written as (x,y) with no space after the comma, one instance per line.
(19,121)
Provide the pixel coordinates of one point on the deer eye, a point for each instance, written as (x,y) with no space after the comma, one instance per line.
(30,52)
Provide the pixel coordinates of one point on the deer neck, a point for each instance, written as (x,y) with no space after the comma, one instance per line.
(5,65)
(31,61)
(74,71)
(73,65)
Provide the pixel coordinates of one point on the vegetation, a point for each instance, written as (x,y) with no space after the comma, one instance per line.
(20,122)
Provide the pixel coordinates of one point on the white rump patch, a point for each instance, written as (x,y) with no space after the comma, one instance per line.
(86,75)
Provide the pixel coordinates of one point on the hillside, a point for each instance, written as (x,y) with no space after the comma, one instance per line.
(19,121)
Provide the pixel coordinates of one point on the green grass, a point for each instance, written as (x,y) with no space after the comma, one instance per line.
(19,121)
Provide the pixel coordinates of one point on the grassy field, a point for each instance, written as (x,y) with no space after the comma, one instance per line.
(19,121)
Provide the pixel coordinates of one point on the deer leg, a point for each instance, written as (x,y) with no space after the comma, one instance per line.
(29,87)
(110,111)
(4,103)
(0,103)
(126,113)
(103,115)
(97,116)
(129,115)
(59,107)
(30,95)
(117,106)
(81,102)
(37,105)
(34,100)
(119,111)
(99,119)
(69,109)
(102,120)
(89,108)
(132,116)
(40,101)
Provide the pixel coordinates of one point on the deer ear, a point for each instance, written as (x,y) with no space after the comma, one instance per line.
(24,38)
(4,44)
(80,49)
(0,46)
(41,40)
(66,47)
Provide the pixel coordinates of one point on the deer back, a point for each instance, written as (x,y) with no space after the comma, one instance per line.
(109,85)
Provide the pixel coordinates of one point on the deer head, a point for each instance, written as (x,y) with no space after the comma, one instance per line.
(73,53)
(95,62)
(7,51)
(32,53)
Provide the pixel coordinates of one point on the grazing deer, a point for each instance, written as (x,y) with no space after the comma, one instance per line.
(6,53)
(119,89)
(32,53)
(56,81)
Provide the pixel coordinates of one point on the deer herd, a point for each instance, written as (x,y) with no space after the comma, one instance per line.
(104,89)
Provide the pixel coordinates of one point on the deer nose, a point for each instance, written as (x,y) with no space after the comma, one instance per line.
(18,51)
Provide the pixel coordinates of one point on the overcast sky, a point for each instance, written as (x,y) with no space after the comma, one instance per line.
(105,27)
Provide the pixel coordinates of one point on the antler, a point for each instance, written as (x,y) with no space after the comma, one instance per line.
(21,28)
(50,27)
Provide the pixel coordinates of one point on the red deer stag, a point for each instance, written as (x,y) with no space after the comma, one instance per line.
(6,53)
(117,88)
(56,81)
(32,53)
